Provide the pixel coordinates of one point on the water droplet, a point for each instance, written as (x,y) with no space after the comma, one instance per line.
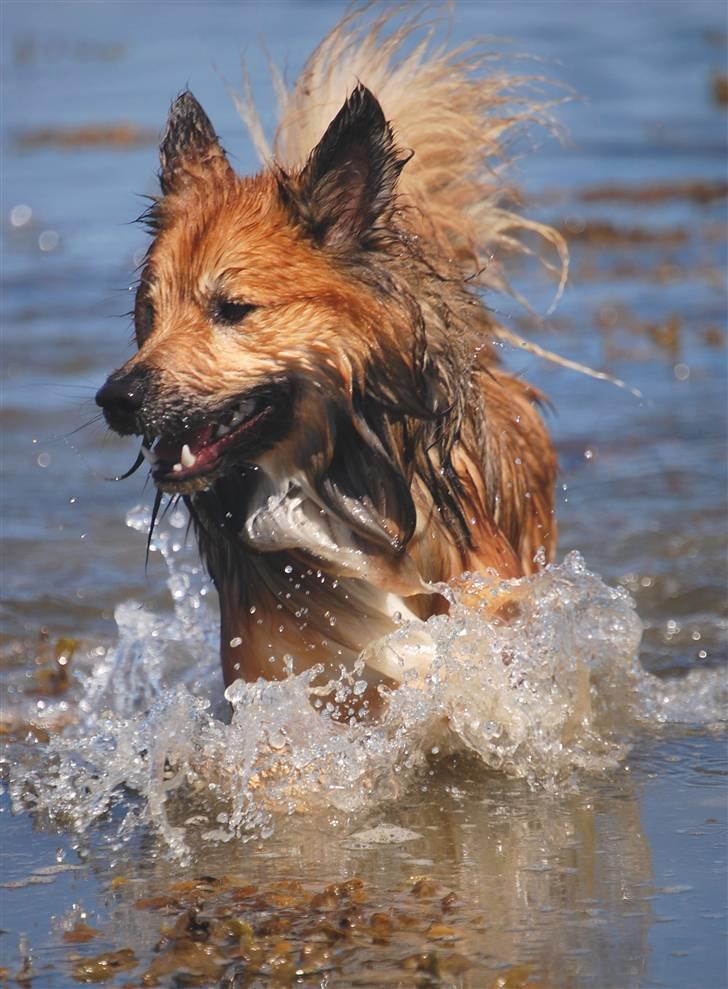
(236,641)
(49,240)
(20,215)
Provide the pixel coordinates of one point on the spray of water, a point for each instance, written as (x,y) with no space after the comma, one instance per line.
(553,690)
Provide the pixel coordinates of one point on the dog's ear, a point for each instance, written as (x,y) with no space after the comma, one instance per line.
(189,145)
(349,179)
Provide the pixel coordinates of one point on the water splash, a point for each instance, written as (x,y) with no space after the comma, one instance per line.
(538,677)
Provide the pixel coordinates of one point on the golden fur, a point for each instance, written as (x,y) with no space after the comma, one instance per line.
(327,314)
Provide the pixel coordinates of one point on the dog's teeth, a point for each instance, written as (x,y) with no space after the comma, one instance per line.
(187,457)
(149,455)
(222,430)
(177,468)
(236,418)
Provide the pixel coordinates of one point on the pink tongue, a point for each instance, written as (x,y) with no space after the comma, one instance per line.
(169,448)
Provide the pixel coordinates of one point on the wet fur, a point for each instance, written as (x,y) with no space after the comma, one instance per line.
(391,450)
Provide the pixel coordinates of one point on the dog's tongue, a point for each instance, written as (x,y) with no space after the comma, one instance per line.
(169,448)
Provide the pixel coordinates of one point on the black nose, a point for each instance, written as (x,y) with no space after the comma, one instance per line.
(122,399)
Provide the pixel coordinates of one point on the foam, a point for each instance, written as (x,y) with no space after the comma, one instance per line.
(555,690)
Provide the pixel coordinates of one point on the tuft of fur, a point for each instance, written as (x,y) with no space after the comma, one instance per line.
(456,110)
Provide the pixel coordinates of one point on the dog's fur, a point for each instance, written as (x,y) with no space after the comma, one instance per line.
(333,299)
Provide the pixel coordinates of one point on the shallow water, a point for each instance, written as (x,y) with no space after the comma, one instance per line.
(570,796)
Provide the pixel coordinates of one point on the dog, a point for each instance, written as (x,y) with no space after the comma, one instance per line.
(317,373)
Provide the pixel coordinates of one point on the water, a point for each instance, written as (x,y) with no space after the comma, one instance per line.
(569,795)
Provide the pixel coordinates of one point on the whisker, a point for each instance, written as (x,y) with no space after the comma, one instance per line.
(134,467)
(61,384)
(170,504)
(155,512)
(72,432)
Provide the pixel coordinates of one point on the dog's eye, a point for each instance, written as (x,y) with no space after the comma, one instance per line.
(230,313)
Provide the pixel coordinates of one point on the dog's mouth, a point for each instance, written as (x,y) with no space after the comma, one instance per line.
(203,447)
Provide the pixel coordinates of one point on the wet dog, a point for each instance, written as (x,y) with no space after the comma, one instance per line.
(316,373)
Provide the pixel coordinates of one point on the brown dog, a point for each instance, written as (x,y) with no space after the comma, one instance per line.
(315,372)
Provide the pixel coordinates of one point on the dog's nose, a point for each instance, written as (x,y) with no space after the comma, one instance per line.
(122,399)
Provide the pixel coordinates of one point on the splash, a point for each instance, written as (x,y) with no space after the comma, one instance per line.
(537,677)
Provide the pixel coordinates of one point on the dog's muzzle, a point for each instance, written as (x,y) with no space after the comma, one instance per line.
(122,399)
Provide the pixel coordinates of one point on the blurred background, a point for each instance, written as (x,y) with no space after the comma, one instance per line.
(638,186)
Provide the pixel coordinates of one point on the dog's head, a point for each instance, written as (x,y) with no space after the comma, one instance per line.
(269,331)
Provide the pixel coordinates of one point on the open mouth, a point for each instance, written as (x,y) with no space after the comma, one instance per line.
(192,458)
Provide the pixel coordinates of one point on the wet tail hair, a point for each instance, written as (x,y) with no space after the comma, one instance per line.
(460,114)
(455,109)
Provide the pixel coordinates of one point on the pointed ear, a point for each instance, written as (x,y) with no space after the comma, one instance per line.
(349,179)
(189,145)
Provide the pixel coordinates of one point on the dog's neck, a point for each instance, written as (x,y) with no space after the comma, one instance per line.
(298,586)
